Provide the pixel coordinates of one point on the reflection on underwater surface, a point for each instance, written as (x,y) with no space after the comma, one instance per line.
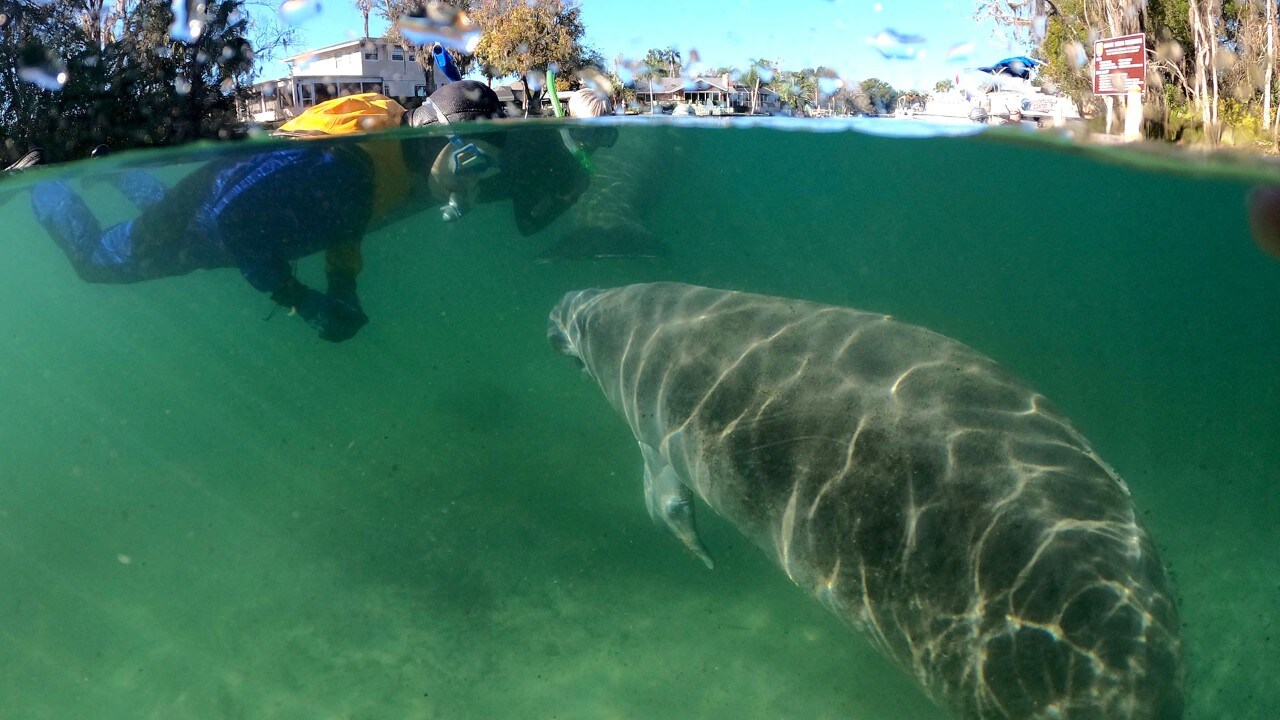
(207,514)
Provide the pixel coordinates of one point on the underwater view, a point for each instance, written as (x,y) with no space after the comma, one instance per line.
(210,511)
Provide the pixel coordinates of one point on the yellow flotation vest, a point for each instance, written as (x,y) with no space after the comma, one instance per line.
(359,114)
(348,115)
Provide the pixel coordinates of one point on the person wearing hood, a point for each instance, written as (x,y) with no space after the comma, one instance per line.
(261,210)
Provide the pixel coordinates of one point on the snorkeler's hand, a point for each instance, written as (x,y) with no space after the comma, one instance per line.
(337,320)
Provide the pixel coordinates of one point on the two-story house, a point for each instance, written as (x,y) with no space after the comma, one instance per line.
(355,66)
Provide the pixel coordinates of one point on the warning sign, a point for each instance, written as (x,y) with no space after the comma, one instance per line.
(1120,65)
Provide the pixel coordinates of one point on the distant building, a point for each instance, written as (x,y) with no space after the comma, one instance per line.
(363,65)
(721,92)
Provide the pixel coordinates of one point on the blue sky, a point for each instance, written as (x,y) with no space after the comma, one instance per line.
(796,33)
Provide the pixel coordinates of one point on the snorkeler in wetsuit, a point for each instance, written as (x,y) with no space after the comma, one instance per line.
(262,211)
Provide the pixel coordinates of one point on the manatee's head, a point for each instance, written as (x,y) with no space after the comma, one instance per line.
(564,326)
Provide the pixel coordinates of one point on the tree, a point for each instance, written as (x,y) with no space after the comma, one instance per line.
(524,36)
(126,82)
(664,62)
(880,94)
(943,85)
(365,7)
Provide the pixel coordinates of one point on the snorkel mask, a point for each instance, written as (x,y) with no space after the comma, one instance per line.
(458,168)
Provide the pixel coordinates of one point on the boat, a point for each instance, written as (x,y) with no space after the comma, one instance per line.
(990,95)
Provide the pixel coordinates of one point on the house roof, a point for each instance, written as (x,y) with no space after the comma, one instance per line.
(338,46)
(675,84)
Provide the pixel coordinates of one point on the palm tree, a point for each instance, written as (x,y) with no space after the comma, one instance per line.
(673,59)
(759,68)
(365,7)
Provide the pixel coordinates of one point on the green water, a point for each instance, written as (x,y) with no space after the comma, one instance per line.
(205,515)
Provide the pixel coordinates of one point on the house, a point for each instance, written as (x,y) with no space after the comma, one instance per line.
(355,66)
(722,92)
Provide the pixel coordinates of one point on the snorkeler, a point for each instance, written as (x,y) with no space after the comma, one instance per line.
(260,212)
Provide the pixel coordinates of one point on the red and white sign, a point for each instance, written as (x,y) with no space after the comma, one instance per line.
(1120,65)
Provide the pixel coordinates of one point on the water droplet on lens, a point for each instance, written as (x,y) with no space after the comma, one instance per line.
(894,45)
(1224,60)
(1076,54)
(829,82)
(626,72)
(181,85)
(41,67)
(1169,51)
(960,51)
(441,23)
(1039,24)
(536,80)
(188,20)
(596,80)
(905,38)
(297,12)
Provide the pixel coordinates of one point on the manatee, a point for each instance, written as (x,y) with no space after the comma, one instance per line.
(916,488)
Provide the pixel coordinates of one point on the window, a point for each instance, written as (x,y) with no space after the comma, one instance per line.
(412,56)
(397,53)
(370,52)
(419,90)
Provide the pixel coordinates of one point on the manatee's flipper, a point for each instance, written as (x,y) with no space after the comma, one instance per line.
(671,503)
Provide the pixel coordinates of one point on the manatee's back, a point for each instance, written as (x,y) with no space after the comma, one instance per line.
(915,487)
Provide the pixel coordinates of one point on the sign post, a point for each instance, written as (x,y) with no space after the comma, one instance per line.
(1120,68)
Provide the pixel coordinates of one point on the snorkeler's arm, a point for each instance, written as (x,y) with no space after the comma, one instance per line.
(342,263)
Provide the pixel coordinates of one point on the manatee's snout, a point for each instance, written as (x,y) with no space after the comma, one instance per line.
(562,329)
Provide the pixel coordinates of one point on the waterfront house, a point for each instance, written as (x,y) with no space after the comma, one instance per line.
(721,92)
(355,66)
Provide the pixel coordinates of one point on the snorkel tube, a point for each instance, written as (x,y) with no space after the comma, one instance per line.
(570,144)
(444,61)
(551,91)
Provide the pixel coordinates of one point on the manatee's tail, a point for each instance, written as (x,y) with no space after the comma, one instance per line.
(599,242)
